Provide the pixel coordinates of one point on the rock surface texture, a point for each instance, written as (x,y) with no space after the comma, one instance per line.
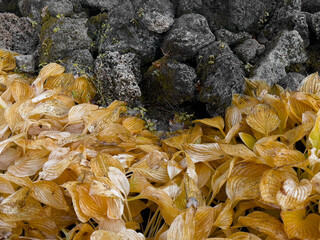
(182,55)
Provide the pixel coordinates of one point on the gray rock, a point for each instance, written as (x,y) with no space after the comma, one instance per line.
(60,7)
(119,75)
(315,24)
(36,9)
(291,81)
(288,49)
(79,62)
(60,37)
(158,15)
(221,75)
(187,36)
(170,83)
(286,18)
(124,33)
(237,15)
(231,38)
(311,6)
(102,4)
(248,50)
(17,34)
(25,63)
(9,6)
(188,6)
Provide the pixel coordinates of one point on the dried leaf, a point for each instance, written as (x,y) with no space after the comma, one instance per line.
(298,225)
(264,223)
(263,119)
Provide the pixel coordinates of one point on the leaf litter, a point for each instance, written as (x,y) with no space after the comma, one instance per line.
(73,170)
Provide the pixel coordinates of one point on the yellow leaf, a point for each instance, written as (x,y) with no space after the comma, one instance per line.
(314,136)
(310,84)
(264,223)
(247,139)
(263,119)
(216,122)
(50,194)
(7,61)
(298,225)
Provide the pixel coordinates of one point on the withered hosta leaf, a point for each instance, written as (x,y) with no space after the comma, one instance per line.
(216,122)
(310,84)
(238,150)
(167,208)
(314,137)
(7,157)
(301,226)
(153,166)
(232,117)
(293,195)
(263,119)
(183,226)
(21,206)
(50,194)
(264,223)
(240,187)
(203,152)
(29,164)
(7,61)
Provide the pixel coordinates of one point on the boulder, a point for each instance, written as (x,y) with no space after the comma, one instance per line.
(62,39)
(9,6)
(25,63)
(36,9)
(291,81)
(158,15)
(221,74)
(315,24)
(248,50)
(187,36)
(288,49)
(232,39)
(288,18)
(124,31)
(170,83)
(118,75)
(188,6)
(17,34)
(311,6)
(237,15)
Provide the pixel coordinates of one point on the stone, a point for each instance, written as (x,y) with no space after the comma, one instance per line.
(291,81)
(9,6)
(17,34)
(36,9)
(118,75)
(237,15)
(158,15)
(248,50)
(232,39)
(102,5)
(60,7)
(188,6)
(288,50)
(79,62)
(315,24)
(124,31)
(170,83)
(311,6)
(61,36)
(221,75)
(187,36)
(25,63)
(289,19)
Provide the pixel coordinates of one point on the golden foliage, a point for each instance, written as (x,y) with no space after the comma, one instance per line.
(74,170)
